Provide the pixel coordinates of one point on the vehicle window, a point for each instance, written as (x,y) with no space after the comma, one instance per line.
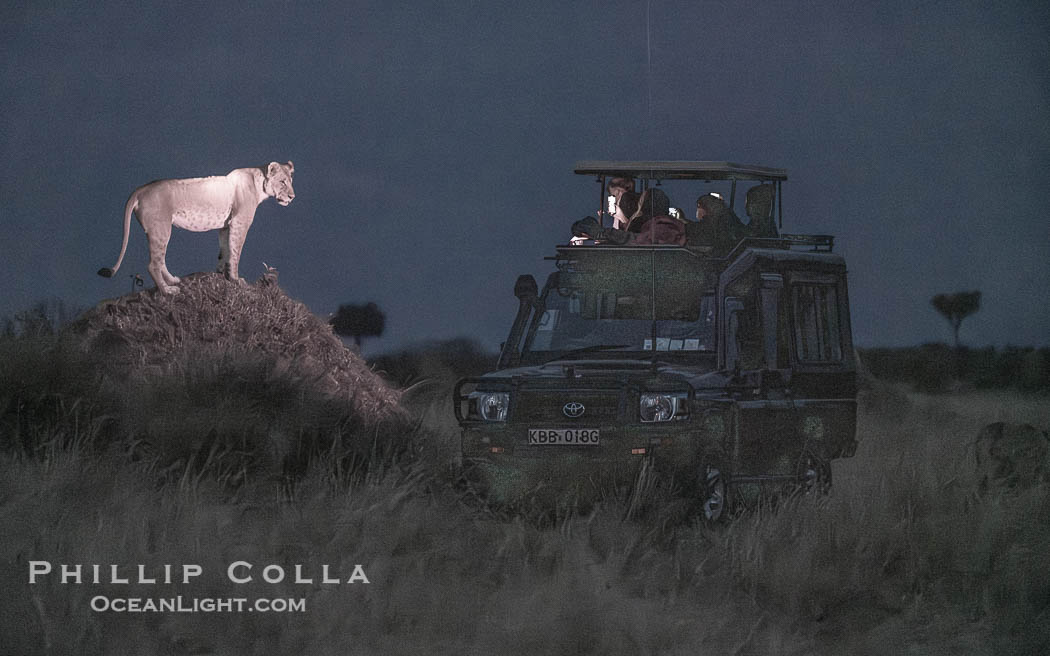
(579,319)
(749,336)
(817,335)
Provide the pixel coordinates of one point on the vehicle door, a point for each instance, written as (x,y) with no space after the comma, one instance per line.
(764,444)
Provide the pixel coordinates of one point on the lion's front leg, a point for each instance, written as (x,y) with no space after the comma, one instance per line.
(238,230)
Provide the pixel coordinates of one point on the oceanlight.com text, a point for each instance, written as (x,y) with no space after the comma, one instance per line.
(181,604)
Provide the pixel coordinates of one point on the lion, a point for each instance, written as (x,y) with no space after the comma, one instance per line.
(226,203)
(1011,456)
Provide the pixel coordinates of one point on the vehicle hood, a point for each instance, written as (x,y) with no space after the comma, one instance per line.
(580,371)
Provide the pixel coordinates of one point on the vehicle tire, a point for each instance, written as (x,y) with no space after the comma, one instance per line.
(714,494)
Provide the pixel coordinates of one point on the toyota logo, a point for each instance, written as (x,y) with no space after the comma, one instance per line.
(573,409)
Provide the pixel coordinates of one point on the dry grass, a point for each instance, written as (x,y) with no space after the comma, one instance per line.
(146,331)
(902,557)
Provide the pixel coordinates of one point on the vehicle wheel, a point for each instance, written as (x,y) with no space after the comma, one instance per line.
(714,495)
(814,476)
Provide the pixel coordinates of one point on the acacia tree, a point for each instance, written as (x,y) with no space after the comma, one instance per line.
(956,307)
(359,321)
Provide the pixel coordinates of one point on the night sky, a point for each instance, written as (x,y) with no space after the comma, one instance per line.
(434,143)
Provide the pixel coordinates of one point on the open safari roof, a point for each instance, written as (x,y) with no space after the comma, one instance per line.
(681,170)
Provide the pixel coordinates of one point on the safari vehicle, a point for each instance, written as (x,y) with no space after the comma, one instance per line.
(730,373)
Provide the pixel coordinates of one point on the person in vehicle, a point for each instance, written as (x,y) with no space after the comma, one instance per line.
(717,227)
(652,223)
(618,188)
(759,206)
(619,185)
(652,202)
(588,229)
(626,206)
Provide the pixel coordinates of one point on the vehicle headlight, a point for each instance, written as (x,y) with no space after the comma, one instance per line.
(489,406)
(663,406)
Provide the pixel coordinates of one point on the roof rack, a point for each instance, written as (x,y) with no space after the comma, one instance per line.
(669,170)
(786,242)
(814,243)
(818,242)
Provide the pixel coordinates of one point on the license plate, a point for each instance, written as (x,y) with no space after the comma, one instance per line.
(571,436)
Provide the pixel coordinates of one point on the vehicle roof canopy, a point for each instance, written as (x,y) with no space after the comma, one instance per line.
(668,170)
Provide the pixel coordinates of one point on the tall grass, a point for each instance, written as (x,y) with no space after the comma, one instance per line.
(236,461)
(939,367)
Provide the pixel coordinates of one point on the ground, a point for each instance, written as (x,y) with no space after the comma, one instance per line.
(263,466)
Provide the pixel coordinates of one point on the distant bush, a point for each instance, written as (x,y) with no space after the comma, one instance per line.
(358,321)
(939,367)
(46,317)
(454,358)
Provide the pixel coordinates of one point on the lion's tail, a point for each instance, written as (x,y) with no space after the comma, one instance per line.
(132,205)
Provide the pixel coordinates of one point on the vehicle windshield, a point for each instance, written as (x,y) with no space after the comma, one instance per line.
(582,321)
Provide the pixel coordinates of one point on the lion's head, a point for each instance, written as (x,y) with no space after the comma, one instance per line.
(278,182)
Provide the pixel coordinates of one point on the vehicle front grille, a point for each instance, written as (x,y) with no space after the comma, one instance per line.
(549,406)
